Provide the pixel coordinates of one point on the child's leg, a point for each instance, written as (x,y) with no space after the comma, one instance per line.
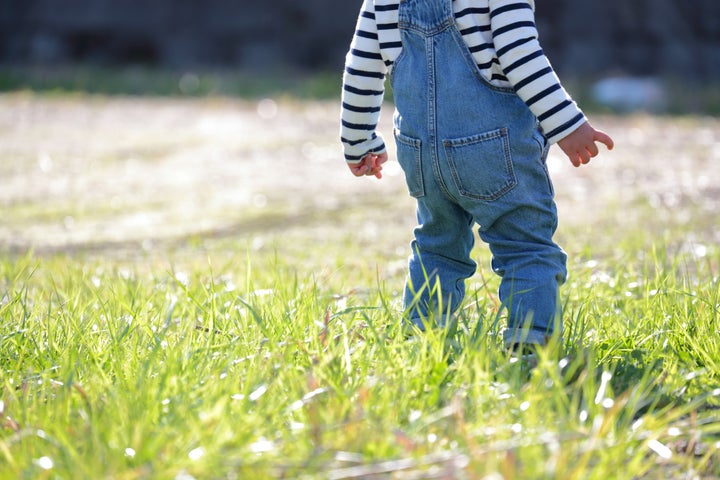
(440,261)
(532,267)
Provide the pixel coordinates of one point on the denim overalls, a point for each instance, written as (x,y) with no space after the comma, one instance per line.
(472,153)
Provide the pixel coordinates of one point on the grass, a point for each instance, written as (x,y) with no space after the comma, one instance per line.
(274,348)
(268,365)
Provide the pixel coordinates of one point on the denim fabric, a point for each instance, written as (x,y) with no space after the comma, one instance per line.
(472,154)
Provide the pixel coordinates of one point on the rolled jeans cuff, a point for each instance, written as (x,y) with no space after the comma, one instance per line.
(525,336)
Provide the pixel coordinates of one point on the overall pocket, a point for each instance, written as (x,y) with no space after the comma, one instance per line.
(408,155)
(481,165)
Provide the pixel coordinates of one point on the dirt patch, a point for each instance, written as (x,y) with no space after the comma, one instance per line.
(83,171)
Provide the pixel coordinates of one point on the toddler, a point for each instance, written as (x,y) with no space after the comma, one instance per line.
(477,107)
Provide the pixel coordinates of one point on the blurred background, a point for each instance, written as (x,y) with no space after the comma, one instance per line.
(127,123)
(662,43)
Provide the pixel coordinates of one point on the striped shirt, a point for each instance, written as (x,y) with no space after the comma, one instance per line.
(503,40)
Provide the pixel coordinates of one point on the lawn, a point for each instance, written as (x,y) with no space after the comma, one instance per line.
(185,293)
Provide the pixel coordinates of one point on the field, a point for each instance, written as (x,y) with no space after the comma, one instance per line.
(198,288)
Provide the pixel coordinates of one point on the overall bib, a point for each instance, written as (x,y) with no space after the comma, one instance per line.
(472,153)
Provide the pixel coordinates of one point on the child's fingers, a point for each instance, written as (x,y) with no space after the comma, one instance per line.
(592,149)
(575,160)
(359,169)
(584,157)
(370,165)
(604,138)
(376,165)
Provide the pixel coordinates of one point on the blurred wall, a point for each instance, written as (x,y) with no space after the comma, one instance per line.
(638,37)
(680,38)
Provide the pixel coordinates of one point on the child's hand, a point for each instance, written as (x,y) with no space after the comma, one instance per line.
(370,165)
(580,146)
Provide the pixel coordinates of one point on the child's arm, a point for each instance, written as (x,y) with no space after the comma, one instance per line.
(362,95)
(580,146)
(528,70)
(524,64)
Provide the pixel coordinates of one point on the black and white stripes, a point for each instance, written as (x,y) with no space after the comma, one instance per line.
(503,39)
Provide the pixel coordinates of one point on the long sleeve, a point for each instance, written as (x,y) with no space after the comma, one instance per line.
(363,90)
(528,70)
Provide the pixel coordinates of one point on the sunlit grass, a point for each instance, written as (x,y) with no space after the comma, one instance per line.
(260,366)
(268,343)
